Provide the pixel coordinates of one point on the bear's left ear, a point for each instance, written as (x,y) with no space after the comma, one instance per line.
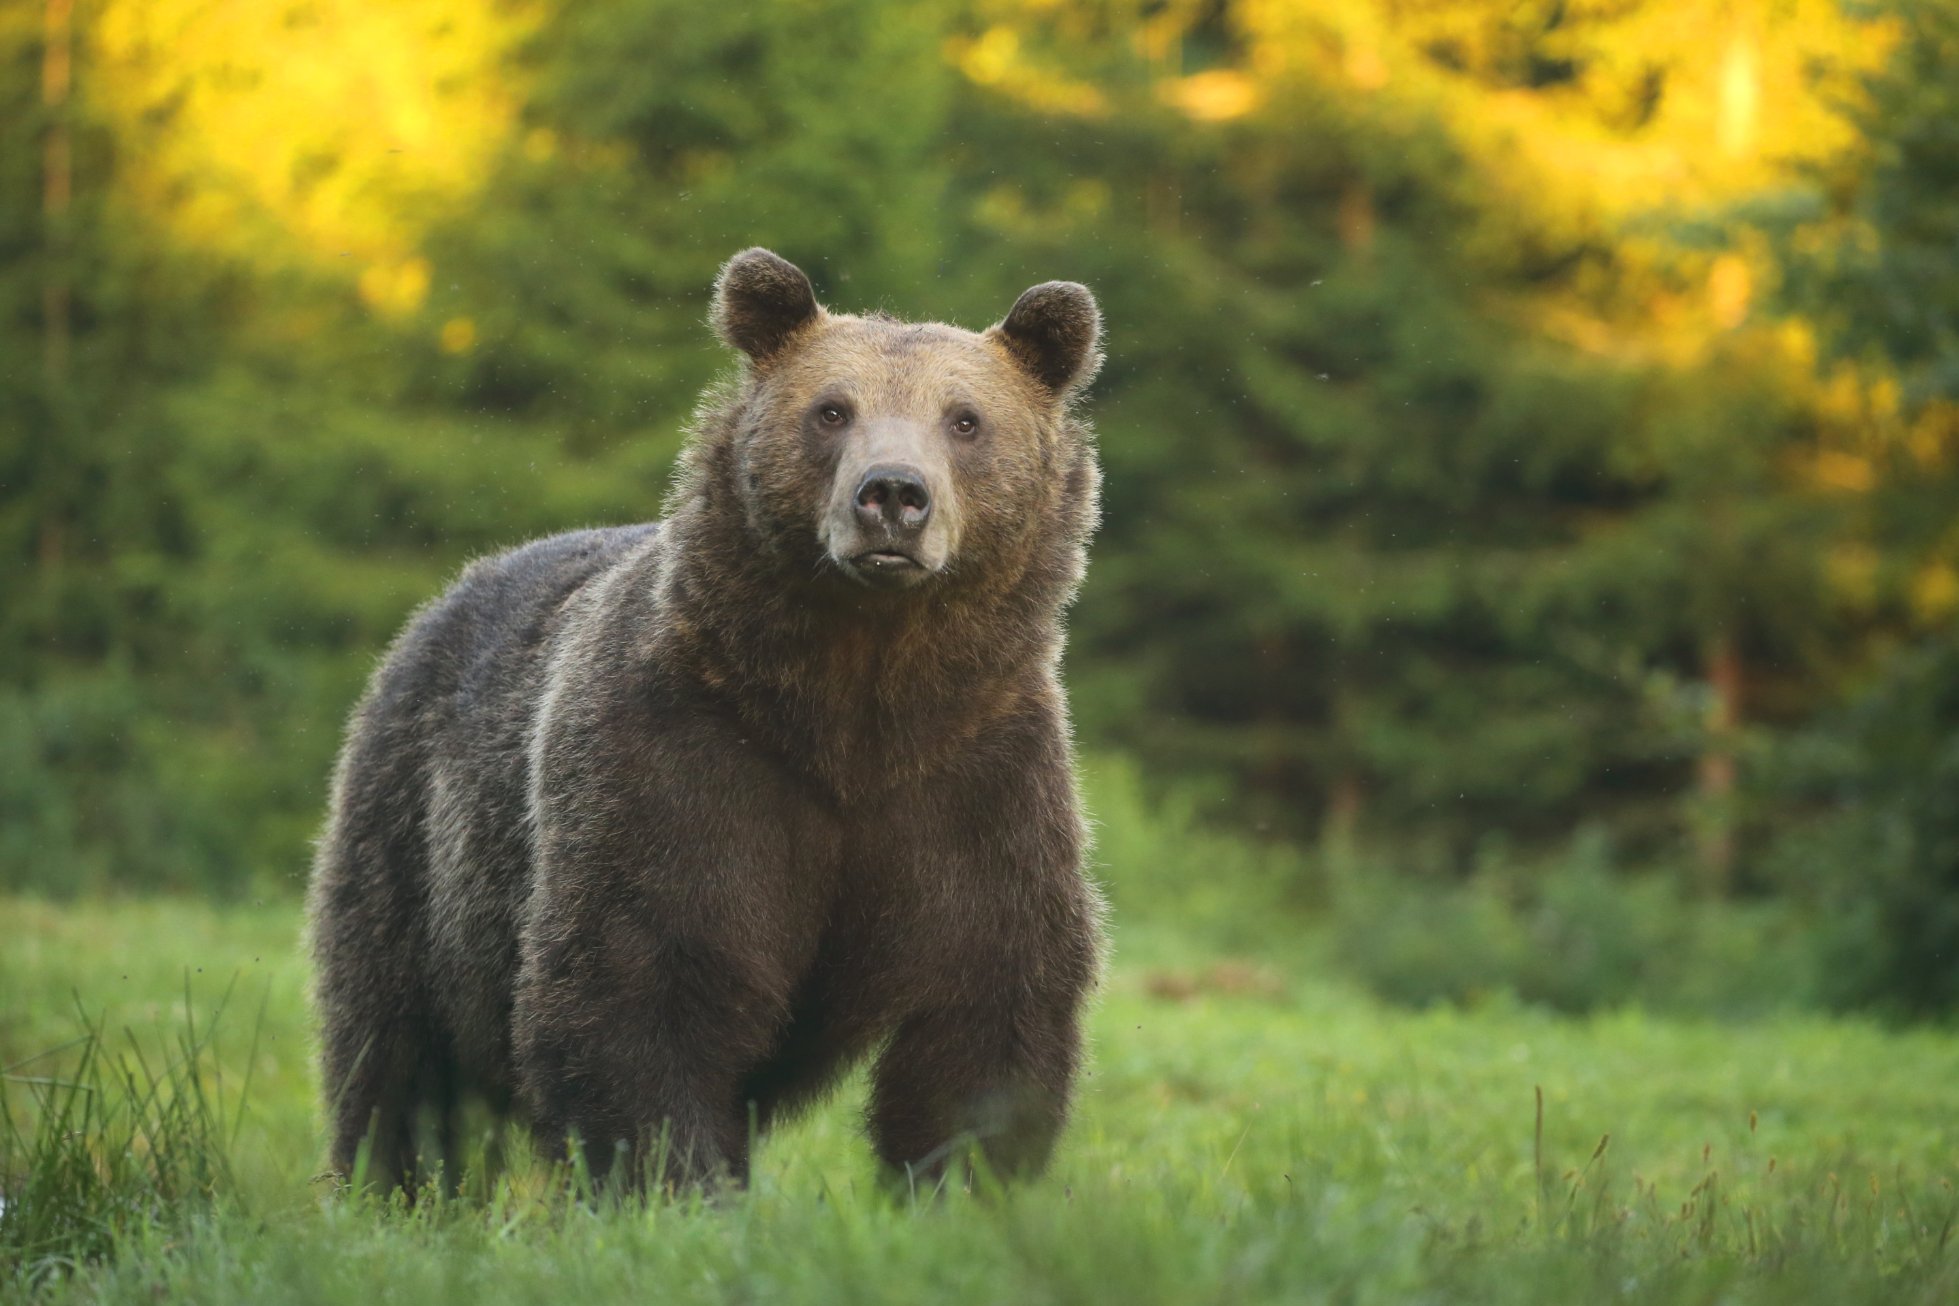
(760,300)
(1055,332)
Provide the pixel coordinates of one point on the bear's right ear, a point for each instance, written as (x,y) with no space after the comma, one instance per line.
(760,300)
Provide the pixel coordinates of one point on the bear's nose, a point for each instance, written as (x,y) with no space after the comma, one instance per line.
(894,498)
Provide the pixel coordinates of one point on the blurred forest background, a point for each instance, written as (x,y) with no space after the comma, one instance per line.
(1532,428)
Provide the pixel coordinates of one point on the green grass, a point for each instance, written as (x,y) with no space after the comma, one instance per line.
(1250,1133)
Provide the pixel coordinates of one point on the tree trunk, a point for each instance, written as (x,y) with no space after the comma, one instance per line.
(57,182)
(1718,767)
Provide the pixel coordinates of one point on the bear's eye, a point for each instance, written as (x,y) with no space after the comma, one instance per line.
(832,414)
(966,426)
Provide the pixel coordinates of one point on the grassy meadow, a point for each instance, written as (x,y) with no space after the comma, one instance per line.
(1250,1133)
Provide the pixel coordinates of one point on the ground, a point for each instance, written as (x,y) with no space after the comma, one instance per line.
(1249,1133)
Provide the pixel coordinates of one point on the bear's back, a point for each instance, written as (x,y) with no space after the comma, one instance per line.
(508,603)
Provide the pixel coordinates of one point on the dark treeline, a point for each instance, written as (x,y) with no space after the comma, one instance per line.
(1524,424)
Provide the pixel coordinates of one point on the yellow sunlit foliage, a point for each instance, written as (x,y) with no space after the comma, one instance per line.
(458,335)
(311,130)
(997,60)
(395,289)
(1934,437)
(1729,289)
(1665,108)
(1852,569)
(1837,470)
(1935,593)
(1215,96)
(1861,410)
(1690,100)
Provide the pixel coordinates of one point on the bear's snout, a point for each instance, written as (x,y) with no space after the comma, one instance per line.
(892,520)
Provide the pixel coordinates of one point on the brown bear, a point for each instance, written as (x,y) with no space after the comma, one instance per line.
(645,834)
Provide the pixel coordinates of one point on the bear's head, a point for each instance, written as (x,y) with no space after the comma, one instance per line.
(886,455)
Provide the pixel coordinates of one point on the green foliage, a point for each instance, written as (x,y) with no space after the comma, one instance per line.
(1271,1139)
(1880,845)
(1158,858)
(1577,931)
(1578,937)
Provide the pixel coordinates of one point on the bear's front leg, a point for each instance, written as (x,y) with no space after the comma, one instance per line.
(992,1080)
(676,901)
(632,1044)
(999,936)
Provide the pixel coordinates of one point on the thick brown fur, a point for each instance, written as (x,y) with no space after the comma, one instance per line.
(645,835)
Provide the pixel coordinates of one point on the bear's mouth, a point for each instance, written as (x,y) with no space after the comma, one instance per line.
(883,568)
